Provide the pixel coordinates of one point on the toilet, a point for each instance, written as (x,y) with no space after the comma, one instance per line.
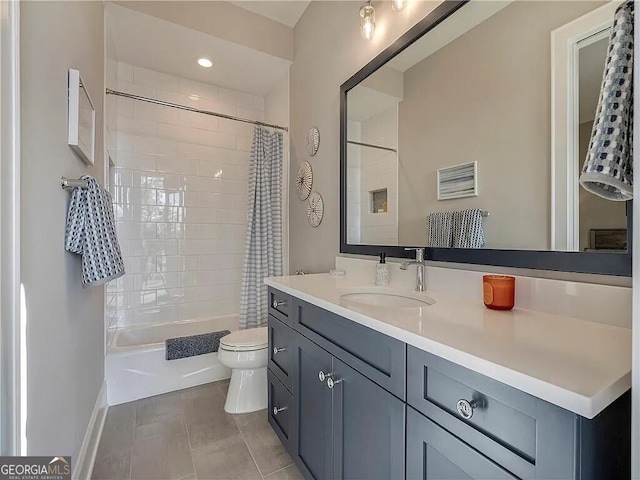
(245,353)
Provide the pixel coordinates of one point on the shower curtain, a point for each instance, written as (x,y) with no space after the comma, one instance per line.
(263,246)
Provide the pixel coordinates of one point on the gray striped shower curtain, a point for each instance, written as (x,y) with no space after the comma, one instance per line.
(263,246)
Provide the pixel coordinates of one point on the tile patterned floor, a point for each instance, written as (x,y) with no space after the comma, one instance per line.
(187,435)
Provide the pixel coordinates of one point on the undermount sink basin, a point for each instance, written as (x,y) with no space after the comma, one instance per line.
(388,300)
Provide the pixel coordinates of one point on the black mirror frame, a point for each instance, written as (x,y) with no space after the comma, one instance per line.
(604,263)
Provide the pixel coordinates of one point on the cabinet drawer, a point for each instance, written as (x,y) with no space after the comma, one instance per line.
(280,350)
(280,411)
(519,431)
(280,305)
(435,454)
(376,356)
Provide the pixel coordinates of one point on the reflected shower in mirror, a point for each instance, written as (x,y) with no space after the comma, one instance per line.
(477,93)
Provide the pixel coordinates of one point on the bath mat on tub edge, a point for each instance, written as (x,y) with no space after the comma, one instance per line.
(183,347)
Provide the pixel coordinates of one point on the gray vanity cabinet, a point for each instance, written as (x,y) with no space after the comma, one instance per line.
(509,430)
(368,428)
(351,403)
(313,444)
(435,454)
(347,426)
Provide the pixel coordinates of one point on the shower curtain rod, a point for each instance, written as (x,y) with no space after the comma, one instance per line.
(194,110)
(370,145)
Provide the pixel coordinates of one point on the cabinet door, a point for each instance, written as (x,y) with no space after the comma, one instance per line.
(368,428)
(435,454)
(312,401)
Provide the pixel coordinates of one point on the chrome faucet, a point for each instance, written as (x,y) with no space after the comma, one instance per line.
(420,262)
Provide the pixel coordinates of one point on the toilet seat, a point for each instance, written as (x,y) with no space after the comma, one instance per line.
(247,340)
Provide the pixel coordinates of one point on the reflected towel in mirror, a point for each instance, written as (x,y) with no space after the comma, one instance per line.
(608,168)
(440,230)
(468,231)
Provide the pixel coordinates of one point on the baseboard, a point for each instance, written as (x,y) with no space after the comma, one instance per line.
(83,466)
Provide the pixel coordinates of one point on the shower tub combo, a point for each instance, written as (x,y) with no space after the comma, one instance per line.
(136,365)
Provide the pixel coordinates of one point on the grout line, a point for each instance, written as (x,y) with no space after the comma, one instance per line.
(278,471)
(133,432)
(186,426)
(248,448)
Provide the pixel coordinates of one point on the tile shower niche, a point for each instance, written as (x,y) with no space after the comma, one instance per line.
(379,201)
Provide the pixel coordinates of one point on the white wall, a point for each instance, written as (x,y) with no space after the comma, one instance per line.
(65,332)
(329,50)
(223,20)
(465,103)
(180,198)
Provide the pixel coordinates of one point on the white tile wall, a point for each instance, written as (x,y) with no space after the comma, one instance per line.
(111,123)
(180,199)
(369,170)
(380,171)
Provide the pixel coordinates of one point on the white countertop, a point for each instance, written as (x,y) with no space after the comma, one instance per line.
(578,365)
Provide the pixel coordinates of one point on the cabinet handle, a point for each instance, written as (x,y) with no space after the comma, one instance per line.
(323,376)
(277,410)
(277,350)
(332,383)
(277,304)
(465,408)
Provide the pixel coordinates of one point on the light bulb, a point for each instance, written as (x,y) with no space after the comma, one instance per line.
(205,62)
(367,28)
(367,21)
(398,5)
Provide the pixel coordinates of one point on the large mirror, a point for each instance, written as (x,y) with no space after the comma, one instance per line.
(474,135)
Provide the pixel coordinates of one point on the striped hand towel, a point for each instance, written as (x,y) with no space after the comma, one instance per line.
(467,229)
(440,230)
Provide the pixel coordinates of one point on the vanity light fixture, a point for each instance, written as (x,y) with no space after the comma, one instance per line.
(398,5)
(205,62)
(367,21)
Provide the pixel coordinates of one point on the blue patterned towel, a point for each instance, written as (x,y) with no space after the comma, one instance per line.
(608,169)
(91,232)
(440,230)
(468,231)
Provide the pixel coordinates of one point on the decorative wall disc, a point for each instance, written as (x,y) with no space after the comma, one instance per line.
(313,141)
(304,180)
(315,209)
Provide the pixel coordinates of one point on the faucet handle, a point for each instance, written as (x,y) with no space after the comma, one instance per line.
(419,253)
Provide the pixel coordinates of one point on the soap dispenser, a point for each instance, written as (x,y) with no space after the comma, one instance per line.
(382,271)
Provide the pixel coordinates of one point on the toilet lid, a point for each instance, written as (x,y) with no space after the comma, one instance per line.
(249,339)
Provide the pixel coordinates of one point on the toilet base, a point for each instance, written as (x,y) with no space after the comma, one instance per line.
(247,391)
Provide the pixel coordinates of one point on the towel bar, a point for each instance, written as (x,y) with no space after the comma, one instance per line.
(70,184)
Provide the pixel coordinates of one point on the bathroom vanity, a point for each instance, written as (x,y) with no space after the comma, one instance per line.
(369,382)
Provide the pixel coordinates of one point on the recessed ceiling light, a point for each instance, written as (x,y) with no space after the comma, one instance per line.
(205,62)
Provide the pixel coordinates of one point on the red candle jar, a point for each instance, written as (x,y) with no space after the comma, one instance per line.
(498,291)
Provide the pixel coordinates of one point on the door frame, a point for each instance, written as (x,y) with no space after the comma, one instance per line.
(565,188)
(12,334)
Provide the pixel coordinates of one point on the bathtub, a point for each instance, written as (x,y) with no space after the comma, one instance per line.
(135,366)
